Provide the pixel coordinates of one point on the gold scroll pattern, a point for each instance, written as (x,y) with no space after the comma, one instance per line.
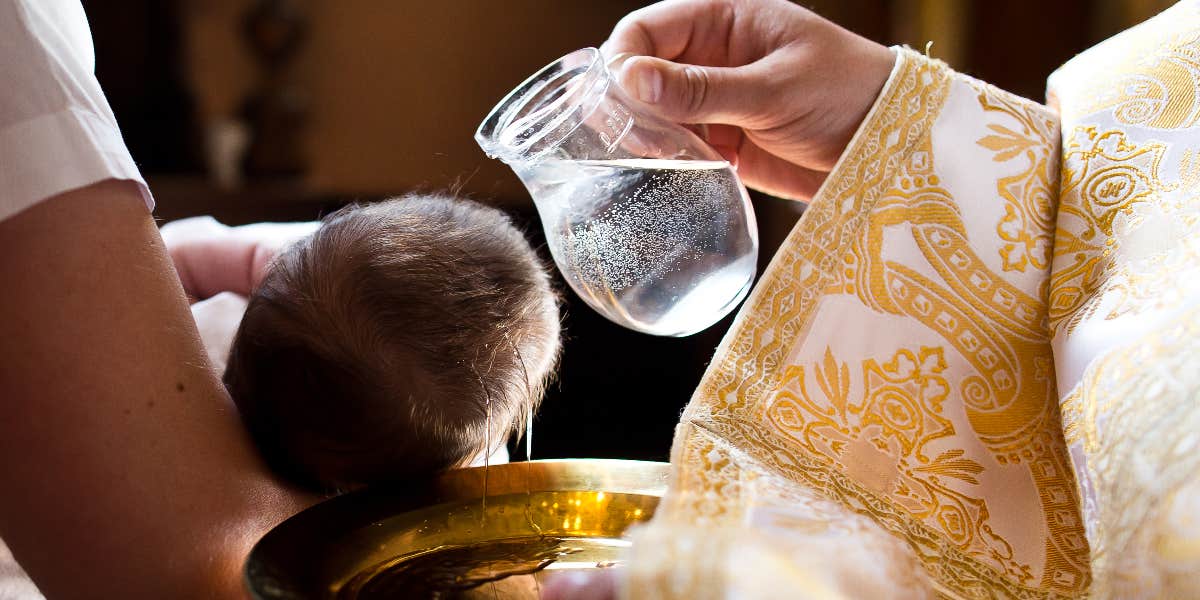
(1150,75)
(1134,417)
(888,427)
(800,421)
(1128,248)
(793,538)
(1027,227)
(1113,186)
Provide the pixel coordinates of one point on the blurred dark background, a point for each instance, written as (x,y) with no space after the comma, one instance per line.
(254,110)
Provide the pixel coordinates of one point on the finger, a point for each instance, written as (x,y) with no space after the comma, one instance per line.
(667,29)
(767,173)
(726,140)
(724,135)
(763,170)
(695,94)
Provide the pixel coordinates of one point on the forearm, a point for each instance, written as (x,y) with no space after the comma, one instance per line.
(125,468)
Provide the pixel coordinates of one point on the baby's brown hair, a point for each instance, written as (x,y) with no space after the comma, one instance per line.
(374,349)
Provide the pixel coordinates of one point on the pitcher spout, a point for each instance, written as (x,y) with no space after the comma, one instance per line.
(541,114)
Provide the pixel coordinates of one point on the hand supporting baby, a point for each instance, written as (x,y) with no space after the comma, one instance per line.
(211,257)
(219,266)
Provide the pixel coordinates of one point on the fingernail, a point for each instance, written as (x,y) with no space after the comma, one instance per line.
(649,84)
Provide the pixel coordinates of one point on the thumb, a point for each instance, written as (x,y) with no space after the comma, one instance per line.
(691,93)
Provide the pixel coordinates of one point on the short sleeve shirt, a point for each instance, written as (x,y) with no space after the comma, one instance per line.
(57,132)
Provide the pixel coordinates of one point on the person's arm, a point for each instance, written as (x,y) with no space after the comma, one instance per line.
(125,469)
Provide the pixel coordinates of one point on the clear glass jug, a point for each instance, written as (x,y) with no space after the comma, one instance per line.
(647,223)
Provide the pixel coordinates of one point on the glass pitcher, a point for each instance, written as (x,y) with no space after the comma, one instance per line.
(647,223)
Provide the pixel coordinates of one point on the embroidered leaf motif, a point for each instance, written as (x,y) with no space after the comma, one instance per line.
(1006,145)
(952,464)
(834,381)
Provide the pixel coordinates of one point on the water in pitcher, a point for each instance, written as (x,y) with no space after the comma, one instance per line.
(661,246)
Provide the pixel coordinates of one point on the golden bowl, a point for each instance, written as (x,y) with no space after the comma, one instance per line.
(488,533)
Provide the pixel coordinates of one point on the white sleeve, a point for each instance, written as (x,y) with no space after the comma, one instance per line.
(57,132)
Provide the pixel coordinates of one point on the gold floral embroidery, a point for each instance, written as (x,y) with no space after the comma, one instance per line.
(1147,81)
(1162,280)
(882,434)
(1132,423)
(1111,189)
(770,509)
(1126,278)
(1029,208)
(1154,83)
(909,434)
(829,439)
(1103,174)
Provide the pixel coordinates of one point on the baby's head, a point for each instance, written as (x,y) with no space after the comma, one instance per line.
(372,349)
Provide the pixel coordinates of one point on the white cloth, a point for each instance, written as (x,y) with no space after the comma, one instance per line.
(14,583)
(218,319)
(57,132)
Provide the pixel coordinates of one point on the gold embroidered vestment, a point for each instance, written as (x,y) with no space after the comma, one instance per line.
(883,419)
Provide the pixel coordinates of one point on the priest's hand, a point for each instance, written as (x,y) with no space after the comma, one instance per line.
(780,89)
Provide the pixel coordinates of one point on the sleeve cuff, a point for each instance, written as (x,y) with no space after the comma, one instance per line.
(866,144)
(58,152)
